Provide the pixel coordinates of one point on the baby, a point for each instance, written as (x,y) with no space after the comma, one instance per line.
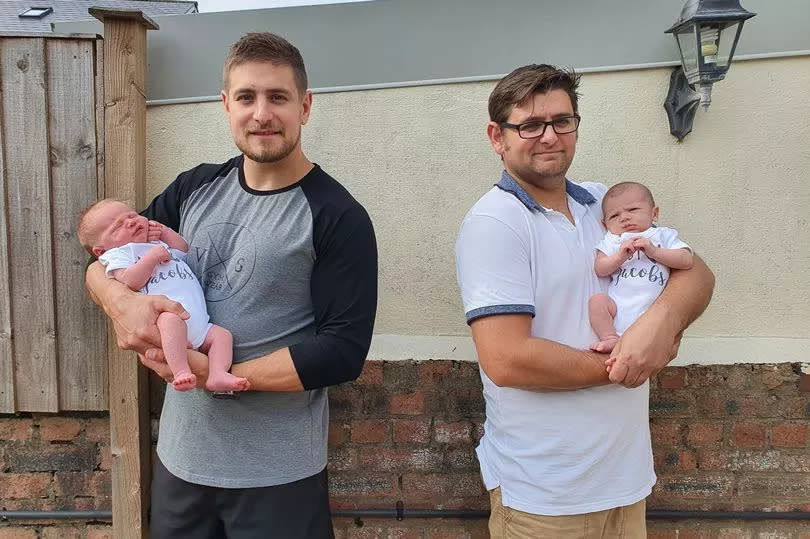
(637,256)
(150,258)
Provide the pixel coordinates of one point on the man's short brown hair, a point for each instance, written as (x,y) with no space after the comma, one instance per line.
(524,82)
(266,47)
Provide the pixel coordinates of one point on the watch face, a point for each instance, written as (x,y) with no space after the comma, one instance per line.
(223,394)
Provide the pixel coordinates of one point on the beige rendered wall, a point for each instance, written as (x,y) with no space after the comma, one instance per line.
(737,188)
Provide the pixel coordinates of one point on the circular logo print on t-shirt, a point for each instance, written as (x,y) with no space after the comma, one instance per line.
(223,257)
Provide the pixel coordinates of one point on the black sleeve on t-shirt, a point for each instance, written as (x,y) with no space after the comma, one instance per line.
(165,208)
(343,287)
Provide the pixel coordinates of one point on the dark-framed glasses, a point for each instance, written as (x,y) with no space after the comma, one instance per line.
(536,128)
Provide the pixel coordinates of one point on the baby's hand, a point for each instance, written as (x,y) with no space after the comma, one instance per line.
(155,231)
(627,248)
(643,244)
(160,254)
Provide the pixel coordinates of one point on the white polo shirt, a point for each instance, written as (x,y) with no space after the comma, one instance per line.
(551,452)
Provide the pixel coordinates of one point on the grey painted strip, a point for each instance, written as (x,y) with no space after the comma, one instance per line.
(386,43)
(693,351)
(483,78)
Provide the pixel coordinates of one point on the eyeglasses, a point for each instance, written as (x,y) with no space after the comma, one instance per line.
(536,128)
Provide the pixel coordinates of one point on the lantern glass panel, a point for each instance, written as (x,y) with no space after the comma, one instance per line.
(687,43)
(725,45)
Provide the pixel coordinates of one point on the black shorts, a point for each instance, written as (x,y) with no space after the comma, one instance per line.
(298,510)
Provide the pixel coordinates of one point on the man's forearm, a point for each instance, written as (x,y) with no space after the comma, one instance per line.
(685,297)
(101,289)
(273,372)
(512,358)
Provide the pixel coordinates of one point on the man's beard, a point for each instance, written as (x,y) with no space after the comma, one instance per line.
(270,155)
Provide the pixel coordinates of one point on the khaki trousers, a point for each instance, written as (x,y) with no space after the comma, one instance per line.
(628,522)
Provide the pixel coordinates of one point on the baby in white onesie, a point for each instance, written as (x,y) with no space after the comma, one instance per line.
(150,258)
(637,256)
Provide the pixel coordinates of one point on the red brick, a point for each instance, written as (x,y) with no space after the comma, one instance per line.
(411,431)
(370,431)
(665,433)
(24,485)
(105,457)
(408,404)
(748,435)
(357,484)
(70,484)
(672,378)
(703,434)
(458,532)
(694,486)
(404,533)
(59,428)
(774,486)
(401,460)
(433,373)
(337,435)
(100,532)
(789,435)
(418,486)
(452,433)
(61,532)
(15,429)
(372,374)
(18,533)
(343,459)
(366,532)
(97,430)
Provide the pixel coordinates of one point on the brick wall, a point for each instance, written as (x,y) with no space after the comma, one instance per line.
(730,438)
(55,463)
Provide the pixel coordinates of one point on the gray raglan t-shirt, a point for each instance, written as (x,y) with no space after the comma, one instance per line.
(294,267)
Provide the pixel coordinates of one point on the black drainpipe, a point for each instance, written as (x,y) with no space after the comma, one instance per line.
(400,513)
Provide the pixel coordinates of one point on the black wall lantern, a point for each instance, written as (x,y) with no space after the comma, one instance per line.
(707,32)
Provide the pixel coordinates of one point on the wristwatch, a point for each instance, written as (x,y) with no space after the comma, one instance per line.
(223,394)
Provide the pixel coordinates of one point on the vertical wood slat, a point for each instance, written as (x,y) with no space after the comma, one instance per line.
(125,176)
(28,194)
(6,357)
(80,326)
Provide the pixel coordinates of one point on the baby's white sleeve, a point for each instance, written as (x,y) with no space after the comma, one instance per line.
(117,258)
(609,245)
(669,239)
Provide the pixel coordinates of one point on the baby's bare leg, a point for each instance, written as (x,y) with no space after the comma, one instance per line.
(219,347)
(602,311)
(174,337)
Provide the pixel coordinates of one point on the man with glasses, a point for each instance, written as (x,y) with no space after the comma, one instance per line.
(566,450)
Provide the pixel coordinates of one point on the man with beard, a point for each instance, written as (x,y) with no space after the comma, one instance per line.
(288,262)
(566,449)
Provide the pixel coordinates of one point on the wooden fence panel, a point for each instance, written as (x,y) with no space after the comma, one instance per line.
(81,328)
(6,358)
(30,260)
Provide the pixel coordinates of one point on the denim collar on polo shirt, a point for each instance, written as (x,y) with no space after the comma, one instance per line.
(510,185)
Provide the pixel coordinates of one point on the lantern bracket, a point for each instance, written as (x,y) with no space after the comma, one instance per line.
(681,104)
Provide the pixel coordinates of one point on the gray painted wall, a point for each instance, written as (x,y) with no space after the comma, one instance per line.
(394,42)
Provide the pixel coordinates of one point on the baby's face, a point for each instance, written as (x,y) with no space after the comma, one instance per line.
(118,225)
(629,211)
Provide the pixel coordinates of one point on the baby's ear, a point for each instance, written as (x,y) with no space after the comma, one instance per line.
(97,251)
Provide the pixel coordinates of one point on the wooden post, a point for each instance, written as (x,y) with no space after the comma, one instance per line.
(125,177)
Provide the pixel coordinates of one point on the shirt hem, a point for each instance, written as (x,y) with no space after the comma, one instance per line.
(593,507)
(253,482)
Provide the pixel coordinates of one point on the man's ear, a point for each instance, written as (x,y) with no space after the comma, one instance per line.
(224,96)
(306,107)
(495,135)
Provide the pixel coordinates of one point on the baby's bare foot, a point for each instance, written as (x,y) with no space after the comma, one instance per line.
(226,382)
(184,382)
(606,345)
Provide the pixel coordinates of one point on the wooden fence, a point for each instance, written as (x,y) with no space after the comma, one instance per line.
(52,338)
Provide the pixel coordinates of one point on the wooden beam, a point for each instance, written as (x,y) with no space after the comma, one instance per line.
(125,177)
